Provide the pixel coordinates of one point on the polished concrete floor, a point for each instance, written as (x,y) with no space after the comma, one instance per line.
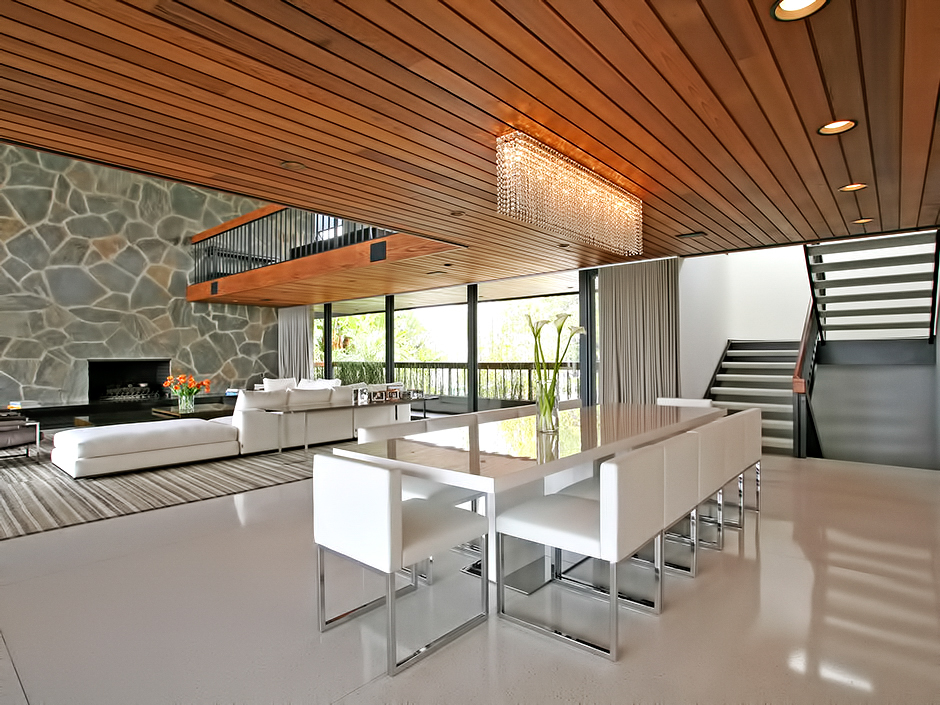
(829,595)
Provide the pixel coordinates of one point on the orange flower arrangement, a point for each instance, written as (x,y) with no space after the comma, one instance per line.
(185,387)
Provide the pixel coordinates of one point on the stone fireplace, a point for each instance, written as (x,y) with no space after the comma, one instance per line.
(127,380)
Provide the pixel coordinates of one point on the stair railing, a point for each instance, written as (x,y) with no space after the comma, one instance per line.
(932,336)
(805,436)
(810,260)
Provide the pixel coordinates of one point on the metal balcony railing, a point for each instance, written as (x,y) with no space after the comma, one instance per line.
(280,236)
(513,381)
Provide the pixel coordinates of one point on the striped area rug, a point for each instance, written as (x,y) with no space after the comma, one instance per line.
(36,496)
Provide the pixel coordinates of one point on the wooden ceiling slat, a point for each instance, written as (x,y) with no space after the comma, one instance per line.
(707,110)
(732,245)
(880,25)
(820,162)
(836,49)
(284,45)
(657,109)
(921,97)
(136,65)
(585,129)
(743,30)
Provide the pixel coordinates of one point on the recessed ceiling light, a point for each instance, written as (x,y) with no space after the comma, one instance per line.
(436,271)
(789,10)
(862,221)
(853,187)
(564,245)
(458,214)
(293,166)
(698,234)
(448,264)
(837,127)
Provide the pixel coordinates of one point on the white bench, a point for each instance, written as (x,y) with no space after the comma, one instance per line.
(103,450)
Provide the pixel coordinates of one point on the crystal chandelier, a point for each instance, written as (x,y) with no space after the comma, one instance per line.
(542,187)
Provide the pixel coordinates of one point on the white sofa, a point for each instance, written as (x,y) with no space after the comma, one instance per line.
(262,421)
(287,418)
(103,450)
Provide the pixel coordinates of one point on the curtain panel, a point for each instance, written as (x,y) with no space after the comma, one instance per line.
(638,331)
(295,342)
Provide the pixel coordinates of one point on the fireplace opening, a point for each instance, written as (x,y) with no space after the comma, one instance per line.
(127,380)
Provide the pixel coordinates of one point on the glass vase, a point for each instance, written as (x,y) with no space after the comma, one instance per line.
(187,403)
(546,399)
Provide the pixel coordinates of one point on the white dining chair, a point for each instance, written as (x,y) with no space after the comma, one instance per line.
(680,401)
(509,412)
(358,513)
(680,498)
(441,423)
(627,515)
(680,495)
(391,430)
(713,440)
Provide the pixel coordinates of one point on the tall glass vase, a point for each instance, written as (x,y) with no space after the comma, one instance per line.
(546,399)
(187,403)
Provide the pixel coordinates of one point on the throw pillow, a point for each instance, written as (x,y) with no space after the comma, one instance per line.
(274,401)
(298,399)
(272,385)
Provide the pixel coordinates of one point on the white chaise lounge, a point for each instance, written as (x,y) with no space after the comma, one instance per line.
(103,450)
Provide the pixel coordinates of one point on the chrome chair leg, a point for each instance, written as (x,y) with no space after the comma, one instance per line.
(614,613)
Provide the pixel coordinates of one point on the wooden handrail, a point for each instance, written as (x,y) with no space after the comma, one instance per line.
(235,222)
(808,338)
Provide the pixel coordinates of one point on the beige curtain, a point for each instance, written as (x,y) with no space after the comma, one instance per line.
(638,331)
(294,342)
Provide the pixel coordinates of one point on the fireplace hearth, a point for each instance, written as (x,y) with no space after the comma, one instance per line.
(133,380)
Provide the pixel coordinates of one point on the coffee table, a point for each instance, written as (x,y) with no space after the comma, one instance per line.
(201,411)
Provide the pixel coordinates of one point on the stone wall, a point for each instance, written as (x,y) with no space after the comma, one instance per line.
(94,264)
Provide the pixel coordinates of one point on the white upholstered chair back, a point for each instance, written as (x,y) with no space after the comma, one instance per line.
(631,501)
(439,423)
(752,436)
(712,457)
(510,412)
(678,401)
(392,430)
(681,477)
(357,511)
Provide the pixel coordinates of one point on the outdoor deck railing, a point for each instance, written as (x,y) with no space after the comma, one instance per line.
(497,380)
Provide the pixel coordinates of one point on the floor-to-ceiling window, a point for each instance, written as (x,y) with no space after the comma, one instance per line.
(358,340)
(506,347)
(431,345)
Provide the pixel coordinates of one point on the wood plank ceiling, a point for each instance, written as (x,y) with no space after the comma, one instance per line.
(705,109)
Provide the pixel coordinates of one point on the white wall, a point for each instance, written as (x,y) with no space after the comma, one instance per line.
(755,295)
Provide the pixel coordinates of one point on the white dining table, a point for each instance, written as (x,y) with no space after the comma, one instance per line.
(497,456)
(511,462)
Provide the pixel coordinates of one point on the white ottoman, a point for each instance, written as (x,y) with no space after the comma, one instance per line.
(102,450)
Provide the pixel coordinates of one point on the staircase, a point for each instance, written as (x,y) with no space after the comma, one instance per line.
(760,374)
(876,288)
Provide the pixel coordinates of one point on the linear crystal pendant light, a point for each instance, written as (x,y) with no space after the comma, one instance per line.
(542,187)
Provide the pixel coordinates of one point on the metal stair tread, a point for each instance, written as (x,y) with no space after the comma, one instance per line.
(733,377)
(777,424)
(763,406)
(831,248)
(884,311)
(776,442)
(874,325)
(757,365)
(752,391)
(873,281)
(763,353)
(876,296)
(872,263)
